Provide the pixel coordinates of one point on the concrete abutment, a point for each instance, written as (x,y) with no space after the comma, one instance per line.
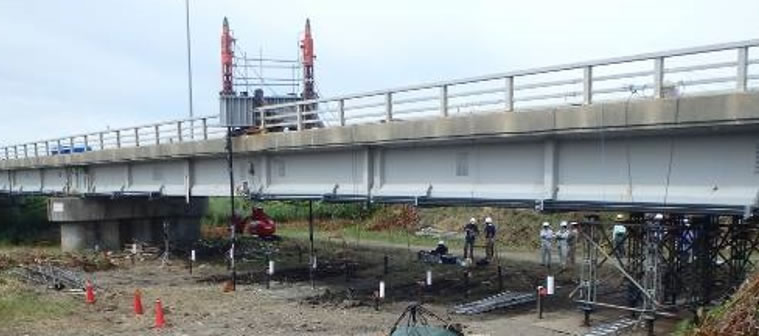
(100,223)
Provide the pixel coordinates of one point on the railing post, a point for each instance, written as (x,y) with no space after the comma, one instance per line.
(509,96)
(118,139)
(659,77)
(157,130)
(388,107)
(36,150)
(341,111)
(263,118)
(299,116)
(179,131)
(16,154)
(587,85)
(86,142)
(47,148)
(136,137)
(7,157)
(26,151)
(100,139)
(741,77)
(58,142)
(205,128)
(71,145)
(444,100)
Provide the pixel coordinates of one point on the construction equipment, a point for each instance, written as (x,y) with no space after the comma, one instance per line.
(258,223)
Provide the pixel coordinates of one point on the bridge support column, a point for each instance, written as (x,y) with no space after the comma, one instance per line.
(109,223)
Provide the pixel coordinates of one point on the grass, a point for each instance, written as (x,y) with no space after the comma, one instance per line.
(20,304)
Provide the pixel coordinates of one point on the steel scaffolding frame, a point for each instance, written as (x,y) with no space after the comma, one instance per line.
(666,262)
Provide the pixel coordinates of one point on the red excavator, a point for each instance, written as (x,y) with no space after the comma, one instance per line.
(257,224)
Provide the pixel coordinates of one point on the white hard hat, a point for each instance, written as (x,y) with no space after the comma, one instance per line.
(546,224)
(563,223)
(659,216)
(441,243)
(472,220)
(620,217)
(488,220)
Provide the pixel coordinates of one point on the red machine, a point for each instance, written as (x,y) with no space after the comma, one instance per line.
(257,224)
(227,59)
(307,49)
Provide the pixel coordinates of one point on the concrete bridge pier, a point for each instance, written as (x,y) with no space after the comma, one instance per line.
(110,223)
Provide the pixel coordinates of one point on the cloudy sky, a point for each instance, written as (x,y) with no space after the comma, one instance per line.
(69,66)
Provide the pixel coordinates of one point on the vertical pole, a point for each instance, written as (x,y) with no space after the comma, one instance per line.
(136,137)
(500,279)
(36,149)
(587,85)
(205,128)
(232,228)
(444,100)
(509,97)
(268,271)
(26,151)
(179,131)
(341,111)
(312,257)
(741,77)
(388,107)
(263,118)
(189,66)
(71,145)
(118,141)
(100,140)
(299,115)
(659,77)
(86,144)
(539,300)
(157,132)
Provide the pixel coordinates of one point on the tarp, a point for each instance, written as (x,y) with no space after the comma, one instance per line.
(422,331)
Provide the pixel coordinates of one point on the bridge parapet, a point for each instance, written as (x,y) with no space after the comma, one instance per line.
(716,68)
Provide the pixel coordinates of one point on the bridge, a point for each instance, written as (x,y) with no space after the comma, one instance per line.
(671,131)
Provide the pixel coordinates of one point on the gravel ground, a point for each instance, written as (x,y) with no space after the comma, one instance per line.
(197,305)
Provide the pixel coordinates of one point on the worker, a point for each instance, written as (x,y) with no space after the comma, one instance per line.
(574,234)
(618,232)
(546,236)
(490,238)
(686,241)
(441,249)
(561,243)
(470,234)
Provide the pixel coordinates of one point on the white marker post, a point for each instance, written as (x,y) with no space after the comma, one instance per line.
(549,285)
(271,267)
(192,260)
(382,289)
(429,278)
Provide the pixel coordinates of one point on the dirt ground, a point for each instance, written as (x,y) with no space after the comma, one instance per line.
(338,305)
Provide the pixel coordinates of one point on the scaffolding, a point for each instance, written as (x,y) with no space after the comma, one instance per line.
(664,262)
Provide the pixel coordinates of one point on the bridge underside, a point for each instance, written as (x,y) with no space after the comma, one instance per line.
(687,172)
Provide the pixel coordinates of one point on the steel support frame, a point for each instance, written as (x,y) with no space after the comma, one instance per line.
(683,260)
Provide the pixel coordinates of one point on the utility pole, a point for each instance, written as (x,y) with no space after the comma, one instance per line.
(189,65)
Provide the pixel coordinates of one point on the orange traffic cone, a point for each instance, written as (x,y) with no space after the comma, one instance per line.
(89,294)
(159,322)
(137,302)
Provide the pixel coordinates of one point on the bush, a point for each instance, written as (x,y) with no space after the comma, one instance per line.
(23,219)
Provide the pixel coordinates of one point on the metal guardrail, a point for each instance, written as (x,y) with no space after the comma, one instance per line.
(722,67)
(174,131)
